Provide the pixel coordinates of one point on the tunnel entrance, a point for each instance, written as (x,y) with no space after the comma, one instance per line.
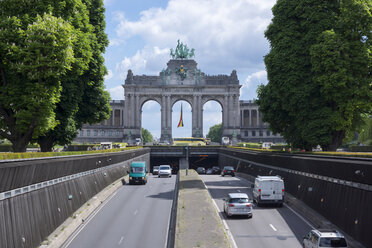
(194,162)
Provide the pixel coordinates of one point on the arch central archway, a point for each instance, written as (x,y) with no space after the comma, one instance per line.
(181,80)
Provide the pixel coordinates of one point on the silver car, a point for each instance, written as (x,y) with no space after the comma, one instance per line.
(165,171)
(237,204)
(155,170)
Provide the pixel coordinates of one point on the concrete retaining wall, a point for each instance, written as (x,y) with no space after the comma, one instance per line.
(345,206)
(27,219)
(23,172)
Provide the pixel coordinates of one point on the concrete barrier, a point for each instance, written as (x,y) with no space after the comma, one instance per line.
(27,219)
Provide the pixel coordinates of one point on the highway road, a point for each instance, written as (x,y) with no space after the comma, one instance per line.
(269,227)
(136,216)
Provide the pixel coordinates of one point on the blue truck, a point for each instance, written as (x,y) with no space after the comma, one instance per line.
(138,172)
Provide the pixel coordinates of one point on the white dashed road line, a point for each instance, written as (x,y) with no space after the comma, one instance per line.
(273,227)
(121,240)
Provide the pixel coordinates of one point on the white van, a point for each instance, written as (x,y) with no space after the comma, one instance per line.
(268,189)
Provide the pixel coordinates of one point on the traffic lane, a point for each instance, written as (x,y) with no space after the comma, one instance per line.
(269,227)
(136,216)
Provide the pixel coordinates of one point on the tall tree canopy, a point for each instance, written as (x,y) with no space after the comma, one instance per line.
(83,99)
(215,133)
(319,70)
(40,41)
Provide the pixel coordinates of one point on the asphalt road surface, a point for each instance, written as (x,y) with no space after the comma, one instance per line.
(136,216)
(270,226)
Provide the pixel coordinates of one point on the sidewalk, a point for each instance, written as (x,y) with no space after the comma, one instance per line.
(198,224)
(313,217)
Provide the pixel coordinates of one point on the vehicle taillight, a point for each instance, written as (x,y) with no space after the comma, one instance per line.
(259,191)
(233,171)
(231,205)
(249,205)
(225,171)
(282,191)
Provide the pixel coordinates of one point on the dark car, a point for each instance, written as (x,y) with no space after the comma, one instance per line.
(228,170)
(200,170)
(216,170)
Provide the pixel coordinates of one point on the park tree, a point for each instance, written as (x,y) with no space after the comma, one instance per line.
(215,133)
(312,96)
(146,136)
(83,98)
(35,51)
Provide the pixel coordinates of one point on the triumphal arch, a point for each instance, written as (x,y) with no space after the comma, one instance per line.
(181,80)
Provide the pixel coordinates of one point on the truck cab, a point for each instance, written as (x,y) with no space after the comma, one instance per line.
(138,172)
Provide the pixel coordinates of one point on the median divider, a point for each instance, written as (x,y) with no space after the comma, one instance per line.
(198,224)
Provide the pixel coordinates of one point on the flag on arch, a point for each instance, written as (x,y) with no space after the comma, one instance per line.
(180,123)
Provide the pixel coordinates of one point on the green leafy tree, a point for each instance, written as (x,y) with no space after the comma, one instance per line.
(34,54)
(146,136)
(215,133)
(302,99)
(84,99)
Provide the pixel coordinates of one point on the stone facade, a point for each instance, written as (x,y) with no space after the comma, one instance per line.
(181,80)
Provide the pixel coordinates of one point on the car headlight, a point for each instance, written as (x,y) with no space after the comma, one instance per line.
(130,178)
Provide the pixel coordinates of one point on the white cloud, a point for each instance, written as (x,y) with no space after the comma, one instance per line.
(148,60)
(225,34)
(109,75)
(117,93)
(248,90)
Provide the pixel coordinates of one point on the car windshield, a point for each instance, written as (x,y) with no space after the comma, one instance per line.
(164,168)
(238,200)
(156,167)
(228,168)
(137,169)
(332,242)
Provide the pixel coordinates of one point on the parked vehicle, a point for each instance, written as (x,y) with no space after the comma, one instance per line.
(200,170)
(324,238)
(237,204)
(209,171)
(228,170)
(165,171)
(216,170)
(225,141)
(268,189)
(138,172)
(266,145)
(155,170)
(138,141)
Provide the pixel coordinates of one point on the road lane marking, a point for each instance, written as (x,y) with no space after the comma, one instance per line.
(136,212)
(121,240)
(273,227)
(227,229)
(87,220)
(299,216)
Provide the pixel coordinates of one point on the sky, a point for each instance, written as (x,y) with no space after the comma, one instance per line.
(226,35)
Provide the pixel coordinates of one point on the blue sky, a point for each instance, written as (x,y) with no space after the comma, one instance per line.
(226,35)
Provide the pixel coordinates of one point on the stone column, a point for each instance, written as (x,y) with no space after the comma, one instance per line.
(194,113)
(258,119)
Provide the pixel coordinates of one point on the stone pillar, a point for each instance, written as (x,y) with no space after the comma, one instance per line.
(250,118)
(258,119)
(194,113)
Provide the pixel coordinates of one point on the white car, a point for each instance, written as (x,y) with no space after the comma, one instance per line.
(324,238)
(237,204)
(165,171)
(155,170)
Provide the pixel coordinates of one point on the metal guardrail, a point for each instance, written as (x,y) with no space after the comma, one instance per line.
(320,177)
(40,185)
